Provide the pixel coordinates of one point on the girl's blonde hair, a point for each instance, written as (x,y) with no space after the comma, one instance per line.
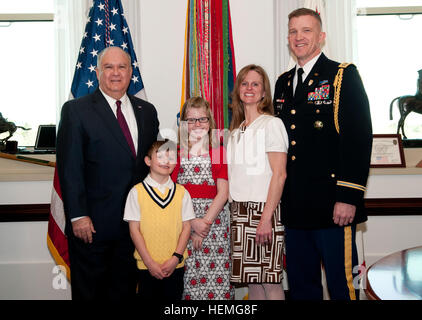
(196,103)
(266,104)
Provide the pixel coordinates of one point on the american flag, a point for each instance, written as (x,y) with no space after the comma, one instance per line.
(106,26)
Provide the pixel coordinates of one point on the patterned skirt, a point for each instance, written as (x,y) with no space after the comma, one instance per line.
(253,263)
(207,271)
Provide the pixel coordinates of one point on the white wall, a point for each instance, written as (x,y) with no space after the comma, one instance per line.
(27,270)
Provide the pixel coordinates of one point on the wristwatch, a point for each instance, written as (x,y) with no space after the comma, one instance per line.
(178,256)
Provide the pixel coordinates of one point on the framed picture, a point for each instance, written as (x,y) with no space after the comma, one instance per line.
(387,151)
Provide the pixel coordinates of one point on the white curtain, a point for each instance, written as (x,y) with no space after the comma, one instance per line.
(70,20)
(340,29)
(282,10)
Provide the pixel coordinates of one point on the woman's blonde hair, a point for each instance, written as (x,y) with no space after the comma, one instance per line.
(264,107)
(196,103)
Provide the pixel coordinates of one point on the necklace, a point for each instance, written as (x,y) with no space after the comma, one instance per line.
(243,127)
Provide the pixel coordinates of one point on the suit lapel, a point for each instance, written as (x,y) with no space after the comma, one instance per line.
(289,89)
(103,109)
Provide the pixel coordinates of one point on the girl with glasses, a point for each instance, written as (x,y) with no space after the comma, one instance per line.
(202,170)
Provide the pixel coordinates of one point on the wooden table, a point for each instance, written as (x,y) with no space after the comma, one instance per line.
(396,277)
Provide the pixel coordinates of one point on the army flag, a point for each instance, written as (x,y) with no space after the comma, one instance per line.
(209,69)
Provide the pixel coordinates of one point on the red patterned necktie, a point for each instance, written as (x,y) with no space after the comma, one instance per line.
(123,124)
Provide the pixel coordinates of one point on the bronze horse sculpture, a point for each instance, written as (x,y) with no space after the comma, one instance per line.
(7,126)
(408,104)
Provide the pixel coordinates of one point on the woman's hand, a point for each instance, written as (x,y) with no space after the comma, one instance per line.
(264,232)
(196,241)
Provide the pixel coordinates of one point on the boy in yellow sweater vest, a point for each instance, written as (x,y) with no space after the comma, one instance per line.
(158,211)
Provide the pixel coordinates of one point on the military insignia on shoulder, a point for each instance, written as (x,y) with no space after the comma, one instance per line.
(344,65)
(282,74)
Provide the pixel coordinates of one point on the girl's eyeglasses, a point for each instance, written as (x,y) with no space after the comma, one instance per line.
(201,120)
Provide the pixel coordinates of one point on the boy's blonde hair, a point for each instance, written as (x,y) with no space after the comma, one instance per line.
(161,145)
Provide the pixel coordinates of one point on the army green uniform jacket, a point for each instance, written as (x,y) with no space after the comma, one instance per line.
(330,141)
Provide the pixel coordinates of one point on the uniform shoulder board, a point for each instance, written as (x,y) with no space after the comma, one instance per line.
(344,65)
(282,74)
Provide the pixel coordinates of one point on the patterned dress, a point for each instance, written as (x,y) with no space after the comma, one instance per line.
(207,271)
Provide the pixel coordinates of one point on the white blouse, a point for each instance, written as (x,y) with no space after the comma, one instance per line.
(249,169)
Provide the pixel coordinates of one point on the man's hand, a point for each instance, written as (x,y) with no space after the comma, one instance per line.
(344,213)
(83,229)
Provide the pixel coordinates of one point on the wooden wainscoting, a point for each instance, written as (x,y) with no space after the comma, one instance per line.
(375,207)
(394,207)
(24,212)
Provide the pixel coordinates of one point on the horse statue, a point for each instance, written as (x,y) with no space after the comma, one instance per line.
(7,126)
(408,104)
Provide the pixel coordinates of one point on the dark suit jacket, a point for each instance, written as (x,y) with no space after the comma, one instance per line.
(324,166)
(95,165)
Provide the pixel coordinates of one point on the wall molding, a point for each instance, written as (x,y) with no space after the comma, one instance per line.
(24,212)
(394,206)
(374,207)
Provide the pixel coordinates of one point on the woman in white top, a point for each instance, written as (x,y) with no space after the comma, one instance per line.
(257,156)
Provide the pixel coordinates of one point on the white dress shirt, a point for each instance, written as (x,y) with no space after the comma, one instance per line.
(306,70)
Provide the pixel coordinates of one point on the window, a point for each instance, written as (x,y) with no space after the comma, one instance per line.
(27,60)
(389,58)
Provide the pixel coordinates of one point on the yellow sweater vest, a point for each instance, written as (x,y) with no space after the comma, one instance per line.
(161,222)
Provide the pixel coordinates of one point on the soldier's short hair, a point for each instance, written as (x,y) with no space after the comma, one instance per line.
(305,12)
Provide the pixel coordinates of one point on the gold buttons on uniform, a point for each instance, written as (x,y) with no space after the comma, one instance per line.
(293,143)
(293,158)
(317,111)
(333,175)
(318,125)
(293,111)
(292,127)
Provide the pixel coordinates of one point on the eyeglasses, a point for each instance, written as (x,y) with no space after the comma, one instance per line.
(201,120)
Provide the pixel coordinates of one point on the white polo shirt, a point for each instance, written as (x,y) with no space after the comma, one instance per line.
(132,208)
(249,169)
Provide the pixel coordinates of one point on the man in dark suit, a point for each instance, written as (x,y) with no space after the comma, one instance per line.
(325,109)
(98,162)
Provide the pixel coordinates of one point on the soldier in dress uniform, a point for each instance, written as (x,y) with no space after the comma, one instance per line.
(325,109)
